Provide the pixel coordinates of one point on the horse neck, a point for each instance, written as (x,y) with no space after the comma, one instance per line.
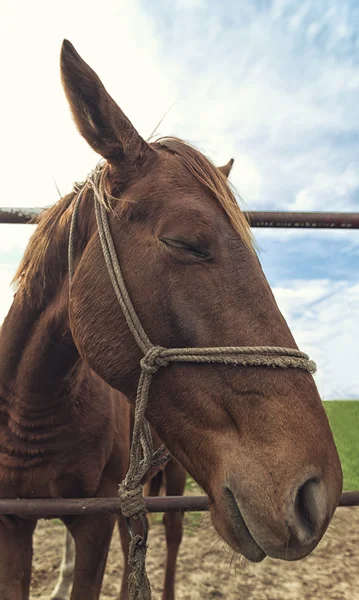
(38,359)
(36,353)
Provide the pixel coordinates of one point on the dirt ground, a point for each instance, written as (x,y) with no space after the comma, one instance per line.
(206,570)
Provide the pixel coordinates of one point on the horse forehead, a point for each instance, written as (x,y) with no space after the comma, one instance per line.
(170,172)
(198,219)
(171,191)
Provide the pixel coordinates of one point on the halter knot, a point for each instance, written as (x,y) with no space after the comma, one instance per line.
(152,361)
(132,501)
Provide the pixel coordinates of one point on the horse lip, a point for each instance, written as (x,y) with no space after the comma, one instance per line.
(245,542)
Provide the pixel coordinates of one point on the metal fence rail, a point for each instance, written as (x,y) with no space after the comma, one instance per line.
(55,507)
(287,220)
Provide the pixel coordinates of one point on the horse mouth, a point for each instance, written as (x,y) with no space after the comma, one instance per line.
(231,525)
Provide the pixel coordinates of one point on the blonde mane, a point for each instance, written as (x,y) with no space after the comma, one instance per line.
(46,246)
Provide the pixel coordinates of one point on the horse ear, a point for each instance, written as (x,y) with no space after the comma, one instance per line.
(97,116)
(226,169)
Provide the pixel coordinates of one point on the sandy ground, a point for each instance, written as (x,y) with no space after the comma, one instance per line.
(207,570)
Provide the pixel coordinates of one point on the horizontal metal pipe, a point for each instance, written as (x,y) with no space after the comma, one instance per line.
(57,507)
(18,215)
(288,220)
(304,220)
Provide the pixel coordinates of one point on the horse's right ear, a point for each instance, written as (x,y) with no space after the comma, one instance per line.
(226,169)
(97,116)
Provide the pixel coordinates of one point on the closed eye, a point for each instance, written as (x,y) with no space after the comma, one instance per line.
(195,250)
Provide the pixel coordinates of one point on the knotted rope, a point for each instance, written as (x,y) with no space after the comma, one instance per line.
(142,455)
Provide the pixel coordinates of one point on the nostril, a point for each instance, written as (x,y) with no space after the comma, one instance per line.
(302,505)
(310,506)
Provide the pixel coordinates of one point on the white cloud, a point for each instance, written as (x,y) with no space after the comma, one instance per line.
(189,4)
(39,139)
(14,238)
(248,89)
(329,191)
(324,318)
(260,88)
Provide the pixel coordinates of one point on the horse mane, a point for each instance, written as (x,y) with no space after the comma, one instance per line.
(48,244)
(46,247)
(205,171)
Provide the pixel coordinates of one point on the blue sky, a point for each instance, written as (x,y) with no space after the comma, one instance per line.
(272,83)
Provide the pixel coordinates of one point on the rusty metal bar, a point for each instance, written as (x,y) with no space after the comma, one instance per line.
(18,215)
(288,220)
(349,499)
(94,506)
(304,220)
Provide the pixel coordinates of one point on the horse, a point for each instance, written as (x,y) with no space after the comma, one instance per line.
(172,478)
(236,403)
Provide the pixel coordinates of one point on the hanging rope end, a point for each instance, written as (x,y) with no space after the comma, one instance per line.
(138,583)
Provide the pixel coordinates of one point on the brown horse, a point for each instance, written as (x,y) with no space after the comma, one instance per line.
(256,439)
(171,478)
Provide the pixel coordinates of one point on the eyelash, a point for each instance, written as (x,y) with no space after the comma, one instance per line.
(197,252)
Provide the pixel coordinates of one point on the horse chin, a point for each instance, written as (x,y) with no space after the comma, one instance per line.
(229,522)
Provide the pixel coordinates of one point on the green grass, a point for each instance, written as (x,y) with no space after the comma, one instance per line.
(192,486)
(344,421)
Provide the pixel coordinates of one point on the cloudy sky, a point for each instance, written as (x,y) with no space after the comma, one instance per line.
(272,83)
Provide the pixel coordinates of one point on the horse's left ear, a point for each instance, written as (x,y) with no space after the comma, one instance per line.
(226,169)
(97,116)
